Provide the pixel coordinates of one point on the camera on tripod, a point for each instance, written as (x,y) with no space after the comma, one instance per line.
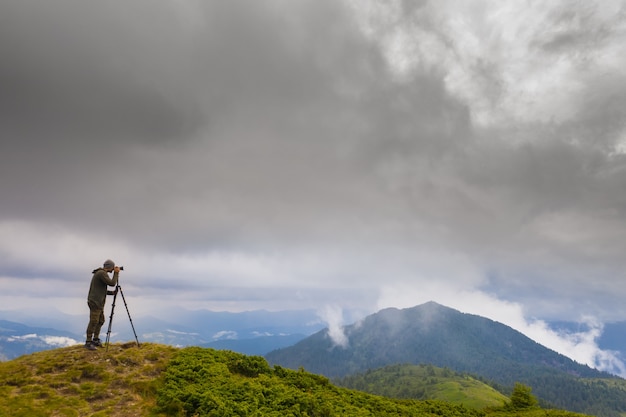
(118,289)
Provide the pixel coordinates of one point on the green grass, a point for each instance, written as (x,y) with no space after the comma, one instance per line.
(157,380)
(469,392)
(77,382)
(424,382)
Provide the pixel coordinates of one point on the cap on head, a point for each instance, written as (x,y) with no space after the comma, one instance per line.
(109,264)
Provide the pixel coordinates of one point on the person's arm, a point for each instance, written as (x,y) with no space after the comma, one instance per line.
(112,282)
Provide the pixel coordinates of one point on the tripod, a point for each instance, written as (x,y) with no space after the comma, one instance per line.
(119,289)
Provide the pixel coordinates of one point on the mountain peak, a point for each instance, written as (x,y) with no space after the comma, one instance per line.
(433,306)
(433,334)
(427,305)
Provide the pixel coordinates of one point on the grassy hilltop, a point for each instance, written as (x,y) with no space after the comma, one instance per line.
(158,380)
(78,382)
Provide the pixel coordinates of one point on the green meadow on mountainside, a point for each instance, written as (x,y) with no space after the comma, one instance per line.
(425,382)
(158,380)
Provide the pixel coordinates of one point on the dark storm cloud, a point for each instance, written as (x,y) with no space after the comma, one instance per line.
(271,126)
(75,74)
(85,87)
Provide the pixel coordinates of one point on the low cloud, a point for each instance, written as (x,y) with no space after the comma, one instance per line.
(56,341)
(59,341)
(182,333)
(332,315)
(22,337)
(580,346)
(225,335)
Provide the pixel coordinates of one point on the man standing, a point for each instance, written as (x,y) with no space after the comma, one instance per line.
(98,292)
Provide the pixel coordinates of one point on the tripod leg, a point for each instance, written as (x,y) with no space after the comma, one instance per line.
(129,318)
(110,322)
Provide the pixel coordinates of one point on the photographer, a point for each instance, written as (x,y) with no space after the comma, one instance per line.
(96,299)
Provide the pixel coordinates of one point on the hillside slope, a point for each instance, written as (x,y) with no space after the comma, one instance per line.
(422,382)
(441,336)
(157,380)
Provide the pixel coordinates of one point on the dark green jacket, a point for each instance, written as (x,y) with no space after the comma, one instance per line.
(98,289)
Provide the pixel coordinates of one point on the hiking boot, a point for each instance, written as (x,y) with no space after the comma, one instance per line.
(89,345)
(96,342)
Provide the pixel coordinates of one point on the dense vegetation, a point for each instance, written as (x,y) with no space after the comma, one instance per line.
(157,380)
(222,383)
(443,337)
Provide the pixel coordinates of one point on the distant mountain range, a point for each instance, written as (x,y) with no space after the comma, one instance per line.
(252,332)
(614,338)
(17,339)
(256,346)
(444,337)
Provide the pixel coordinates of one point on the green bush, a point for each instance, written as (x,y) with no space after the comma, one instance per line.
(250,366)
(206,382)
(522,398)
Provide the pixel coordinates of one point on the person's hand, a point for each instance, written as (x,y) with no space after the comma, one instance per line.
(116,269)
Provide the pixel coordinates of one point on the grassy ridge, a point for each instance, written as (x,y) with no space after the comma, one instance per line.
(157,380)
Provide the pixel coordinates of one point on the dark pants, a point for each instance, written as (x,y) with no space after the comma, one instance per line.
(96,320)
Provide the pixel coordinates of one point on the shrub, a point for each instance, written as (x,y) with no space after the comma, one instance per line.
(522,398)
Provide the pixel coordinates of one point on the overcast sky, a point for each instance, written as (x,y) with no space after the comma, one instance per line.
(336,155)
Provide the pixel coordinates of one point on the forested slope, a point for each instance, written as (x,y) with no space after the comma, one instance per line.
(443,337)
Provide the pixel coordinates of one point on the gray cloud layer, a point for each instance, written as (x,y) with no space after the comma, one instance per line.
(260,146)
